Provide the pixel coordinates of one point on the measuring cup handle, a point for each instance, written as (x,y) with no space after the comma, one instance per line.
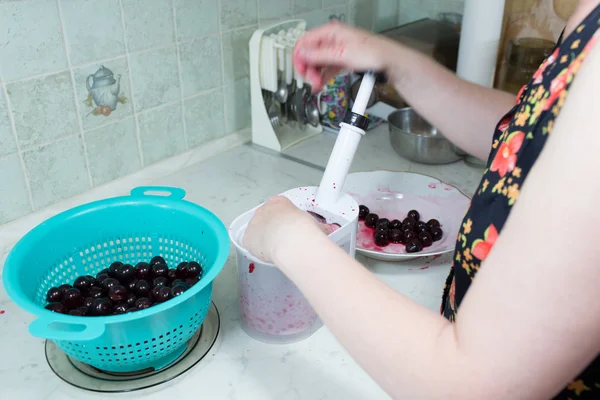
(172,192)
(49,328)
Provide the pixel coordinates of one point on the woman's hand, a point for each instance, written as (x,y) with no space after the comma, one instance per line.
(322,53)
(275,226)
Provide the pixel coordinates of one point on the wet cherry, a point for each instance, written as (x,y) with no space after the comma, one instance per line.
(177,290)
(54,295)
(72,298)
(120,308)
(95,293)
(160,270)
(437,234)
(100,307)
(413,246)
(143,303)
(426,239)
(383,222)
(193,270)
(143,271)
(160,281)
(82,283)
(142,288)
(421,227)
(414,214)
(382,239)
(126,273)
(396,236)
(108,283)
(395,224)
(157,260)
(131,299)
(57,308)
(114,268)
(117,293)
(433,223)
(363,211)
(181,272)
(371,220)
(408,236)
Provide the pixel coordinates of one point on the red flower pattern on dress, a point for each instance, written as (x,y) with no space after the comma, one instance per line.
(506,157)
(452,293)
(504,124)
(537,77)
(481,248)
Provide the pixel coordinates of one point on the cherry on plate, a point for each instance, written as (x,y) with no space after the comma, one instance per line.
(382,239)
(408,236)
(409,221)
(396,236)
(421,227)
(363,211)
(383,222)
(414,214)
(413,246)
(371,220)
(426,239)
(407,228)
(437,234)
(433,223)
(395,224)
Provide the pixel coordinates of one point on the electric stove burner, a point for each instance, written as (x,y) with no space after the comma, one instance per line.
(86,377)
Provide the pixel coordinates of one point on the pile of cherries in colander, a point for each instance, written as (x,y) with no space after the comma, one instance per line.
(412,232)
(123,288)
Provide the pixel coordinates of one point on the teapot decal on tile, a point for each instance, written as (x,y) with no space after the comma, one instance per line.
(104,92)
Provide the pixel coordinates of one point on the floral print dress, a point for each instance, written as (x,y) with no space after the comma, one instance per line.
(518,140)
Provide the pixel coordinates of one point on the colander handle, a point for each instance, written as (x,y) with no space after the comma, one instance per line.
(172,192)
(52,329)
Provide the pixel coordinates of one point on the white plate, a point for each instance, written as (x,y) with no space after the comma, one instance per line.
(392,195)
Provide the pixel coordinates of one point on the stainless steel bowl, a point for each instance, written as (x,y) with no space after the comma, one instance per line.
(415,139)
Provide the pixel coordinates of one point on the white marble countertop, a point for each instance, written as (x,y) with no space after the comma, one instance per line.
(238,367)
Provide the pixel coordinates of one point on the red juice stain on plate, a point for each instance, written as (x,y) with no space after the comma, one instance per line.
(432,186)
(423,268)
(2,312)
(251,268)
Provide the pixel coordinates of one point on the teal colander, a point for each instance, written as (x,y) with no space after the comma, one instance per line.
(87,239)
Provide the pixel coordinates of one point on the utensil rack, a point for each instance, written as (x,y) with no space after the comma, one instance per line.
(264,81)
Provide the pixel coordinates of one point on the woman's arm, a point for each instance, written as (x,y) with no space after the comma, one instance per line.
(530,321)
(466,113)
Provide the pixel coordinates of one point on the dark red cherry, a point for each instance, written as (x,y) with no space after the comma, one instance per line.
(117,293)
(371,220)
(87,302)
(142,288)
(396,236)
(160,270)
(436,234)
(132,309)
(57,308)
(414,214)
(143,271)
(172,274)
(120,308)
(143,303)
(76,312)
(383,222)
(191,281)
(193,270)
(154,293)
(395,224)
(425,239)
(421,227)
(363,211)
(126,273)
(160,281)
(82,283)
(95,292)
(409,221)
(181,271)
(130,300)
(433,223)
(157,260)
(93,280)
(164,294)
(408,236)
(413,246)
(101,278)
(64,288)
(382,239)
(108,283)
(177,290)
(54,295)
(131,285)
(114,268)
(407,228)
(100,307)
(72,298)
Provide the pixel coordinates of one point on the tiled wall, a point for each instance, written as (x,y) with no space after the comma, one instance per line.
(92,90)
